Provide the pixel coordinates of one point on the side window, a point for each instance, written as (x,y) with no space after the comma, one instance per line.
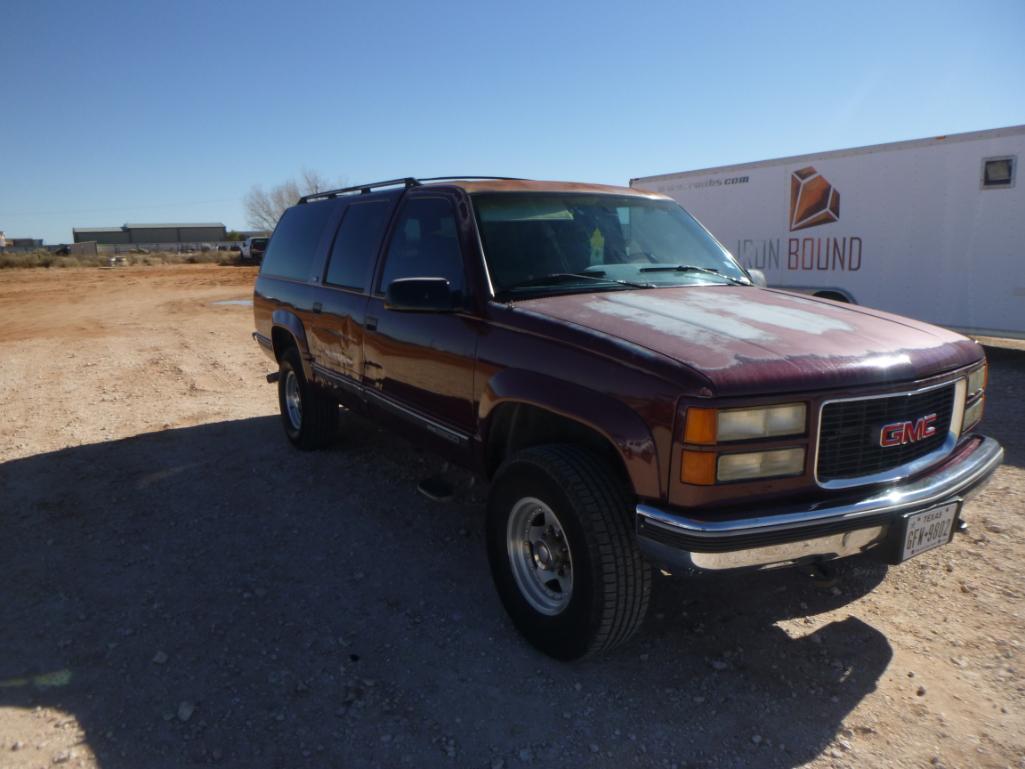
(424,244)
(356,244)
(293,246)
(998,172)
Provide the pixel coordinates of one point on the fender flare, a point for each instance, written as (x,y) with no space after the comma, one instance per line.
(290,322)
(620,425)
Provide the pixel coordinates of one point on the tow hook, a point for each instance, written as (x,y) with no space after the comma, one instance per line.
(273,377)
(823,575)
(961,527)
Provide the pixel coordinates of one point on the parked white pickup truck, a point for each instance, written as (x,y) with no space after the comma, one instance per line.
(253,248)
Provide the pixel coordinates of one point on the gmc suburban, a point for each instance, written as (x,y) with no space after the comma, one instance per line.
(634,399)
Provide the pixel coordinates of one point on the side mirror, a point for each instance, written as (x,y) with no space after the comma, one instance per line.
(758,278)
(419,295)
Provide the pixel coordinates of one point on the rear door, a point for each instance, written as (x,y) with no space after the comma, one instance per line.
(337,326)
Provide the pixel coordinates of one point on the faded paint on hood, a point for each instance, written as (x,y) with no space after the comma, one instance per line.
(751,341)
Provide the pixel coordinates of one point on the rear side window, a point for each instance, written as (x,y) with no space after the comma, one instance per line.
(424,244)
(293,246)
(357,243)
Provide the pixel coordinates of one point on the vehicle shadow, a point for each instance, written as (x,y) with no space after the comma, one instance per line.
(1004,394)
(210,595)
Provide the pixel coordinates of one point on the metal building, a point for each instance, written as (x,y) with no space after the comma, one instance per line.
(151,233)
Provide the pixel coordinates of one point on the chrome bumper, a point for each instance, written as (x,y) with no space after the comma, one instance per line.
(823,531)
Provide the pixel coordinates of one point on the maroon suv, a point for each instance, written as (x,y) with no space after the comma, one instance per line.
(632,396)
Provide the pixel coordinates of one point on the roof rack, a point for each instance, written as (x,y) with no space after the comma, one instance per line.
(409,181)
(363,189)
(470,177)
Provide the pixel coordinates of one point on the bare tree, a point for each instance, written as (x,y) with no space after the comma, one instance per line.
(314,181)
(265,207)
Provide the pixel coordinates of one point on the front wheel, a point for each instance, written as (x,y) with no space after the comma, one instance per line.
(562,552)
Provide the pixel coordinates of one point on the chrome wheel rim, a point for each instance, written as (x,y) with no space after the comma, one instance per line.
(539,555)
(293,401)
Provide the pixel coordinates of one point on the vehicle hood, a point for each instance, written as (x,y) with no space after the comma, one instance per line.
(749,340)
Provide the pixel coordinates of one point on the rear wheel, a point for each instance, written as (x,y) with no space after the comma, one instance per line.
(562,551)
(308,414)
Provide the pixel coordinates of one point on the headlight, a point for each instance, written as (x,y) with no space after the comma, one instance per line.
(977,380)
(972,415)
(709,427)
(760,464)
(765,422)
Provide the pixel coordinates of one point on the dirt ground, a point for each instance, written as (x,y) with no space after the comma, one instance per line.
(180,587)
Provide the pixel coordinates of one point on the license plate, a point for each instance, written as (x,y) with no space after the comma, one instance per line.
(928,529)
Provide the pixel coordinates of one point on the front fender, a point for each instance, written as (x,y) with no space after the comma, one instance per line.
(613,419)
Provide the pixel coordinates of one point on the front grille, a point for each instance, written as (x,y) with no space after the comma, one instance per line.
(849,432)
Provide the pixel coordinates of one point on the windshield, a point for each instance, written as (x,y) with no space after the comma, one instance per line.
(561,242)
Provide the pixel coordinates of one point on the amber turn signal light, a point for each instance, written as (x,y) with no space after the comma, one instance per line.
(700,426)
(698,467)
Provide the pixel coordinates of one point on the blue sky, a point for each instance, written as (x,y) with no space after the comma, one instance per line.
(141,111)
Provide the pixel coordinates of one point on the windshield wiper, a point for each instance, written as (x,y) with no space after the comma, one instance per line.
(695,268)
(557,278)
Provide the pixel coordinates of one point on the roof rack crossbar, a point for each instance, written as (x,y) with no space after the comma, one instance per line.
(408,181)
(363,189)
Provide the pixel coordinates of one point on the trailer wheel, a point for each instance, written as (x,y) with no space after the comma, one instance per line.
(836,296)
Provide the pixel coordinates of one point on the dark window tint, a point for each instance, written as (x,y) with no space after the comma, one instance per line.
(359,237)
(424,244)
(294,243)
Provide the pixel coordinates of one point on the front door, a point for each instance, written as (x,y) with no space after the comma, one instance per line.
(420,365)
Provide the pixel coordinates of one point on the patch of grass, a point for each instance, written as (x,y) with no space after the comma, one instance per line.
(44,258)
(41,258)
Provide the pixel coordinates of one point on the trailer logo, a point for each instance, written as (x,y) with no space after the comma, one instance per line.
(902,433)
(813,200)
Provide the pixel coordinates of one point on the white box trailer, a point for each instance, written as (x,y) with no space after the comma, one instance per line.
(933,228)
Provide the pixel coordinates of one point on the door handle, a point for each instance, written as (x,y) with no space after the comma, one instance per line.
(371,323)
(317,307)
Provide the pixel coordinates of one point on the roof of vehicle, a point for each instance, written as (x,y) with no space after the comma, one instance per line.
(530,185)
(484,184)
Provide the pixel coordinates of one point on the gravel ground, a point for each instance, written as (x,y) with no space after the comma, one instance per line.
(184,588)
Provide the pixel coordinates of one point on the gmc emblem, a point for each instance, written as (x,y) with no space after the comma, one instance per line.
(901,433)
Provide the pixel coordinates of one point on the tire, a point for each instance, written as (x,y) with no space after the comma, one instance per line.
(309,415)
(587,535)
